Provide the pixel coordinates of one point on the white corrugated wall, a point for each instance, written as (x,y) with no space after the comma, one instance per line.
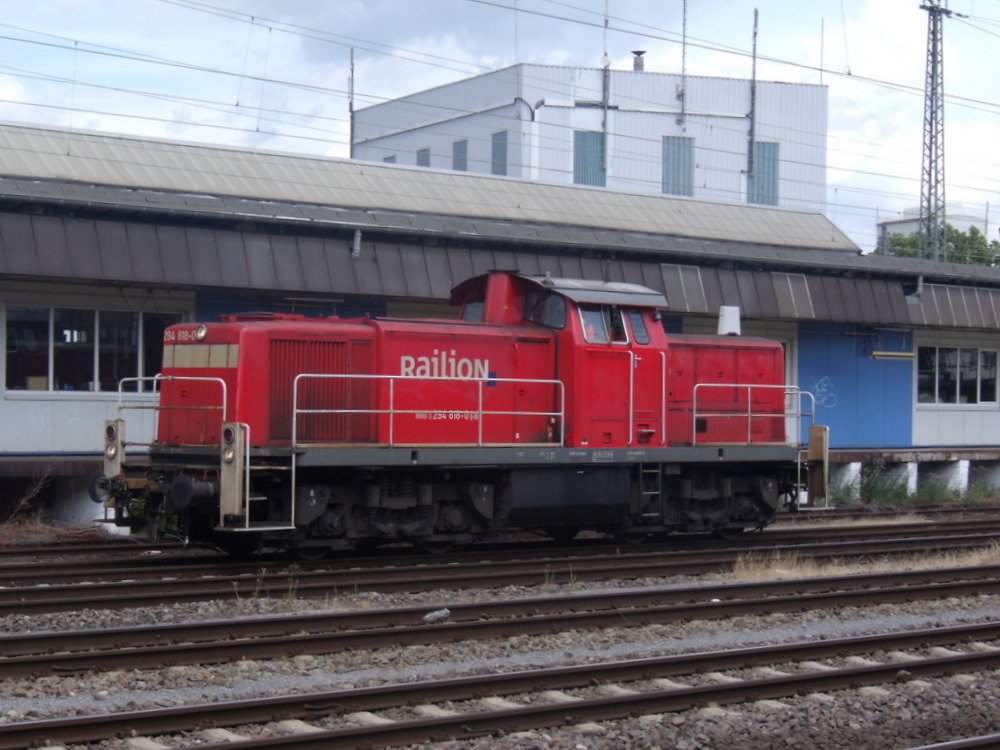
(555,101)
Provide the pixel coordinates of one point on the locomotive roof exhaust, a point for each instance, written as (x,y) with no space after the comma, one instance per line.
(729,321)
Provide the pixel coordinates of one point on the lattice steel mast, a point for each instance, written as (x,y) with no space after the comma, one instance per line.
(932,211)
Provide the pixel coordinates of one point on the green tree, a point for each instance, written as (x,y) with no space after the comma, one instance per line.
(960,247)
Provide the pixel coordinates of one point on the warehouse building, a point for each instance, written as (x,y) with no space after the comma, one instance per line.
(716,139)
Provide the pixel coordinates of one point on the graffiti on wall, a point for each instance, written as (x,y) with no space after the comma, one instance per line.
(823,391)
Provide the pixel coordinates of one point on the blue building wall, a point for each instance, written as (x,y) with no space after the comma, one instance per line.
(867,403)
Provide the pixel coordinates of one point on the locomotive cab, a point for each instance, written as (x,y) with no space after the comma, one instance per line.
(611,349)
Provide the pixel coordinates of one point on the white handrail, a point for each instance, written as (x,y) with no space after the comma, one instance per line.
(155,405)
(631,396)
(663,397)
(797,412)
(393,412)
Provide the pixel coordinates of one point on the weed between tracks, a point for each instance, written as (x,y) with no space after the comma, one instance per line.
(755,566)
(288,601)
(902,518)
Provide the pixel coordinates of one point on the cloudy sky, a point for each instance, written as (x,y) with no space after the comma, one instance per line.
(273,74)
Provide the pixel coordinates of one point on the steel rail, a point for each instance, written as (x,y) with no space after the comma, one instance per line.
(218,641)
(257,711)
(205,566)
(985,740)
(536,716)
(140,590)
(144,562)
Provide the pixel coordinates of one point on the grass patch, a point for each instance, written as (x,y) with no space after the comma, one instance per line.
(756,566)
(880,488)
(27,531)
(896,520)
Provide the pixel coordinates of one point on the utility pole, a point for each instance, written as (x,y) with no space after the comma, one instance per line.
(350,109)
(752,114)
(932,207)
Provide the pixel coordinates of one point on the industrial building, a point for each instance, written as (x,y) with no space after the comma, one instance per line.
(714,139)
(105,240)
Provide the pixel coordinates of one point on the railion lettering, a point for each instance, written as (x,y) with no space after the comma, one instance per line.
(444,364)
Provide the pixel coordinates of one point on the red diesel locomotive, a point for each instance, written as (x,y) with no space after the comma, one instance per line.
(553,404)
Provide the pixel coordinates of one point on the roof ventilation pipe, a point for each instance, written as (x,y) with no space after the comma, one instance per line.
(729,321)
(638,62)
(356,244)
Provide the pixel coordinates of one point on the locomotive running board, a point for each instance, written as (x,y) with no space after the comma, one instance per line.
(514,456)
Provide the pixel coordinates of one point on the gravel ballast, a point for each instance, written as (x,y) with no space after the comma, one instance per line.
(906,714)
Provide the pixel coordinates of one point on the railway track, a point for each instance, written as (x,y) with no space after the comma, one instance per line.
(35,654)
(534,698)
(154,582)
(132,548)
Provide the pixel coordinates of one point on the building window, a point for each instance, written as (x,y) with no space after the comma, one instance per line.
(956,375)
(117,347)
(498,158)
(678,165)
(588,158)
(28,348)
(389,159)
(68,349)
(423,157)
(460,156)
(73,350)
(762,184)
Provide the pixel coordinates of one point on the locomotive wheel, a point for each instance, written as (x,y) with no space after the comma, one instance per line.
(562,534)
(241,545)
(311,553)
(437,547)
(365,546)
(631,538)
(721,532)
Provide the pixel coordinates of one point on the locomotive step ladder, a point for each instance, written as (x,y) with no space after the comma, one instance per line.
(650,486)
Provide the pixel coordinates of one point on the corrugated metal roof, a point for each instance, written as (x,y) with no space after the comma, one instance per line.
(109,199)
(97,159)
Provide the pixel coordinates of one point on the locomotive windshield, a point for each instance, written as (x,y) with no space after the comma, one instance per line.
(545,309)
(473,311)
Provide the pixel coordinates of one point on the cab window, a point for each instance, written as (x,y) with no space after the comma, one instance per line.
(473,310)
(616,324)
(603,325)
(639,332)
(595,329)
(545,309)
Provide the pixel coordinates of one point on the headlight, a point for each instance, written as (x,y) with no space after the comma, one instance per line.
(201,332)
(228,454)
(110,451)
